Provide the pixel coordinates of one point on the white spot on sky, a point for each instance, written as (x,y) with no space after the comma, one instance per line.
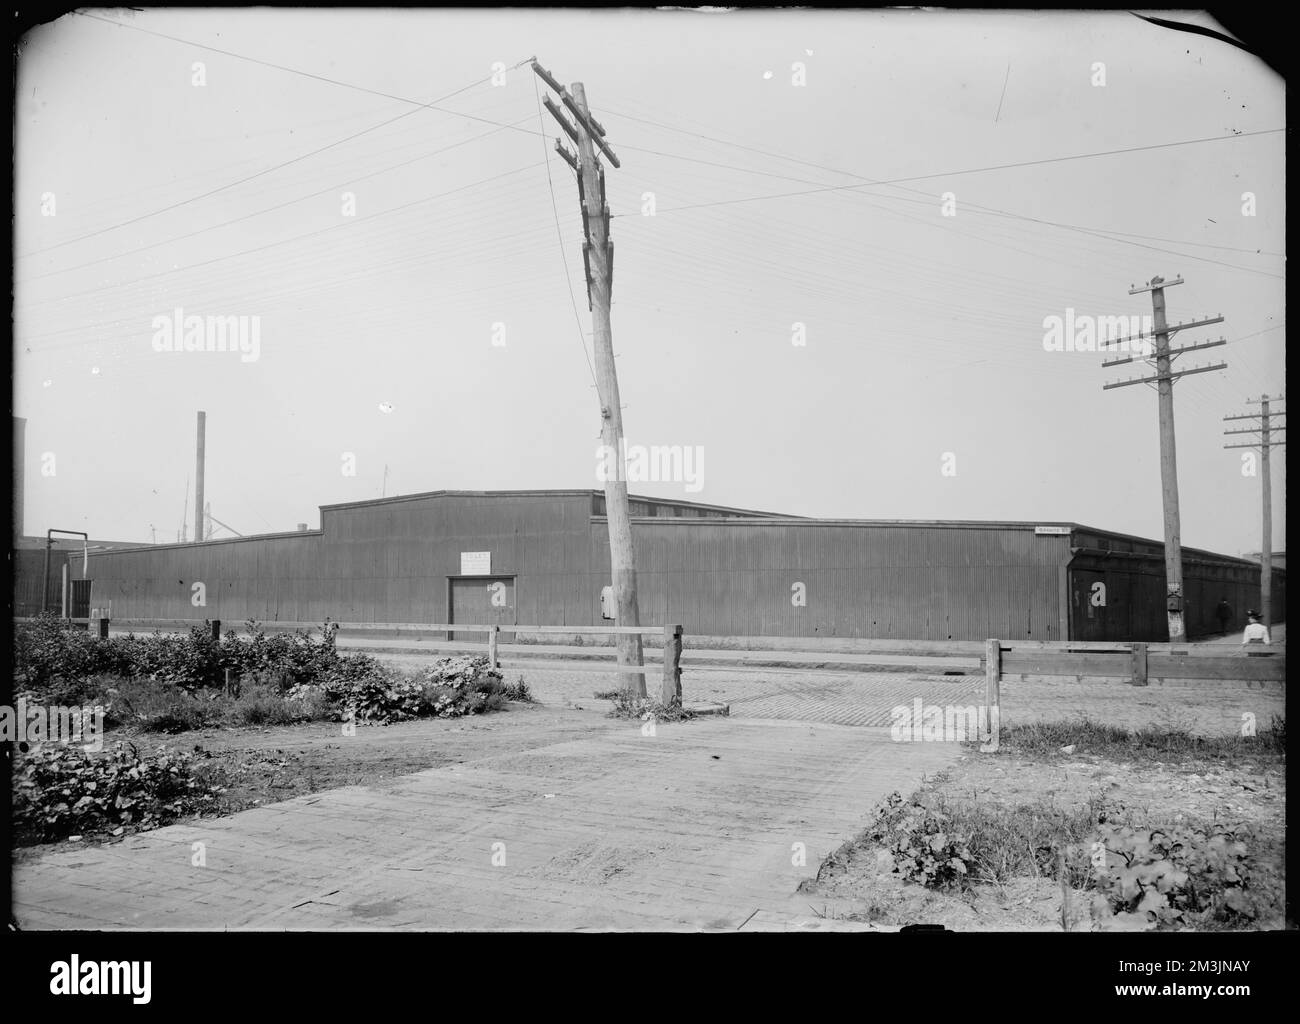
(385,407)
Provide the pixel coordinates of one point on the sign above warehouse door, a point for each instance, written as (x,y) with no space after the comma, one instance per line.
(1041,531)
(476,563)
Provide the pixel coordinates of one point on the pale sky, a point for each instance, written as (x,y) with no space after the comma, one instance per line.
(200,188)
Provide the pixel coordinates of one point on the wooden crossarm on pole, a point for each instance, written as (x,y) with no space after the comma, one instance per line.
(1166,376)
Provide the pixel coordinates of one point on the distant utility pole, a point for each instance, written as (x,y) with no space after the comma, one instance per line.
(1162,359)
(199,532)
(1267,440)
(598,256)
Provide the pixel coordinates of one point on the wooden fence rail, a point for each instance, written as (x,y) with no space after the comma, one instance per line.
(1134,663)
(670,670)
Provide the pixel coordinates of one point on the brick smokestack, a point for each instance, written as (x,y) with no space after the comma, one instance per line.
(199,532)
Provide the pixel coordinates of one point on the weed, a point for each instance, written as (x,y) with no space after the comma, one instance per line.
(519,691)
(645,708)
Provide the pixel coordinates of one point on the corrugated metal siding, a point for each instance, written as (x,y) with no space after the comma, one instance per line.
(28,567)
(1135,591)
(372,563)
(862,580)
(389,562)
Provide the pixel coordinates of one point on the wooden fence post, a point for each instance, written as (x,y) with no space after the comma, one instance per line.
(103,629)
(1139,664)
(672,684)
(492,646)
(992,694)
(216,629)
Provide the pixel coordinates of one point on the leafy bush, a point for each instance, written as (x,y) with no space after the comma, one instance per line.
(928,847)
(62,791)
(163,683)
(463,685)
(50,652)
(51,648)
(945,845)
(1163,879)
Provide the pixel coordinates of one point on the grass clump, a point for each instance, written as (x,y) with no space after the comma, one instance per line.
(644,709)
(1149,744)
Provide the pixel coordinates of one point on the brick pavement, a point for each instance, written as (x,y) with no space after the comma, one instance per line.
(690,829)
(867,698)
(693,828)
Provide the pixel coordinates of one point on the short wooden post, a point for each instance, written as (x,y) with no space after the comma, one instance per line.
(492,646)
(216,629)
(672,684)
(64,606)
(1139,664)
(992,694)
(103,629)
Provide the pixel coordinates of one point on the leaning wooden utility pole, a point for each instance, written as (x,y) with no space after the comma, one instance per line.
(1266,431)
(1164,378)
(598,255)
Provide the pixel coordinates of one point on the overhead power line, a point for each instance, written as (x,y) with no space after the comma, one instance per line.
(676,156)
(559,234)
(431,105)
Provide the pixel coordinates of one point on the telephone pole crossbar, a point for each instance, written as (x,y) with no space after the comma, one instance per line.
(1161,357)
(1170,329)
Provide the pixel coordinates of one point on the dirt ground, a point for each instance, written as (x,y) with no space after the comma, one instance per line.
(1253,793)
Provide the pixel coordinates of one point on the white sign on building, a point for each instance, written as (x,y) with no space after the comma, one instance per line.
(1051,531)
(476,563)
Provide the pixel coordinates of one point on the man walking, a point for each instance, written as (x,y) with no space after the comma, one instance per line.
(1224,615)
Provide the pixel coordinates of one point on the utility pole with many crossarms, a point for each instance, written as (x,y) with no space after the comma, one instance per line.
(1162,358)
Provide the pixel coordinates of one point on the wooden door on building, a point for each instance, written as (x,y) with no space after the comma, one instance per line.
(481,601)
(1088,603)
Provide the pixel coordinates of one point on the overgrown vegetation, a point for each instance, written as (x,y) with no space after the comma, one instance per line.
(173,684)
(451,687)
(60,791)
(644,708)
(946,844)
(50,651)
(1144,870)
(1157,878)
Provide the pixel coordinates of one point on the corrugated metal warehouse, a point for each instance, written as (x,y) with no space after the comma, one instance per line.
(28,568)
(542,558)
